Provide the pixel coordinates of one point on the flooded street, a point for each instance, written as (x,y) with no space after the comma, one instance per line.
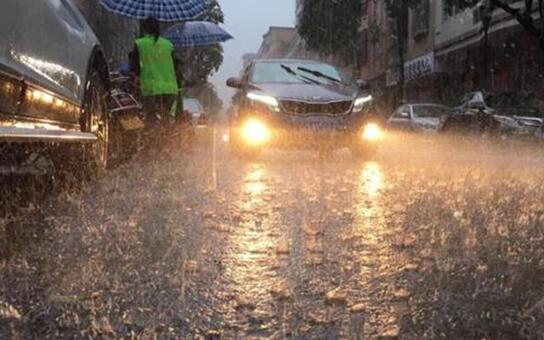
(434,238)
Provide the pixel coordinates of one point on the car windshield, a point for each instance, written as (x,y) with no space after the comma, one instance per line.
(289,73)
(192,105)
(430,111)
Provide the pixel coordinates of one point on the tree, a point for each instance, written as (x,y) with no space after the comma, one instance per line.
(523,15)
(330,27)
(200,63)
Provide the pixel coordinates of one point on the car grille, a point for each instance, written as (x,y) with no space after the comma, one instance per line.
(303,108)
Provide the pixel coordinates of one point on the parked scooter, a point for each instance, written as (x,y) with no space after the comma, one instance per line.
(126,108)
(134,130)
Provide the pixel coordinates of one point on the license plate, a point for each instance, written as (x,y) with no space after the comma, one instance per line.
(131,122)
(322,125)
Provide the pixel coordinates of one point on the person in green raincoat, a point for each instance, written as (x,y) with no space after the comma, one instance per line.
(153,61)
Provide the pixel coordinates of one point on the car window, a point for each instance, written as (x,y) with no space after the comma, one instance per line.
(430,111)
(402,112)
(273,72)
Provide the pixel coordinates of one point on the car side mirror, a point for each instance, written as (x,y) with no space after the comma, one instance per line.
(234,83)
(405,115)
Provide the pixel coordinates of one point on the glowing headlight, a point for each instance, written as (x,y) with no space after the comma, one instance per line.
(269,101)
(255,132)
(360,102)
(371,132)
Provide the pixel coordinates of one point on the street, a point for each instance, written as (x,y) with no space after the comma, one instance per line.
(435,238)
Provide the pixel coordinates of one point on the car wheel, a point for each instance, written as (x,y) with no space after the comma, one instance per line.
(97,121)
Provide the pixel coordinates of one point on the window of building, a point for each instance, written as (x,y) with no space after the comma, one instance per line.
(420,19)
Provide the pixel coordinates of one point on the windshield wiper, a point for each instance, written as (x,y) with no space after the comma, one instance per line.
(299,76)
(319,74)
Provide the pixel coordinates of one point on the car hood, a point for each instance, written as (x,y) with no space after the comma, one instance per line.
(308,92)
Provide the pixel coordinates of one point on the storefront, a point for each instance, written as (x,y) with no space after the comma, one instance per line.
(514,63)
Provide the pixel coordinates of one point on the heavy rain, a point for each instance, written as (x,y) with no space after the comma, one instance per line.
(305,169)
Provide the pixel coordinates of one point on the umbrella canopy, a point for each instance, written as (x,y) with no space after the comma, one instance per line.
(196,33)
(162,10)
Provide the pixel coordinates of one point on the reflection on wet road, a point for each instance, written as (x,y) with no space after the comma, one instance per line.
(432,239)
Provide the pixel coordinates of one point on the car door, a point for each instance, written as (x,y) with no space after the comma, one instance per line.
(49,43)
(401,119)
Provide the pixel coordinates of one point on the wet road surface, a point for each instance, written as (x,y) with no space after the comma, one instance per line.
(434,238)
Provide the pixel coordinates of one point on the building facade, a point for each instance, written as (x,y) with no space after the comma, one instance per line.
(278,42)
(511,61)
(444,52)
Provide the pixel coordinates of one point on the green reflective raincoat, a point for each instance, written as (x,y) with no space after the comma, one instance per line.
(157,72)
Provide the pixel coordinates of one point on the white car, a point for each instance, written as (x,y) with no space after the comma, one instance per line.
(419,117)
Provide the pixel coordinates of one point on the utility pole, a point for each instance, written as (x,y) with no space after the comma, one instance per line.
(486,11)
(399,12)
(486,58)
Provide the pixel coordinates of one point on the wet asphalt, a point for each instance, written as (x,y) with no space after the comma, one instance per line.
(435,237)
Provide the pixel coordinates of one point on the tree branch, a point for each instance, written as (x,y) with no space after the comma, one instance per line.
(525,20)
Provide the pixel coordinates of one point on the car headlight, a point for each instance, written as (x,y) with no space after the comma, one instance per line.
(270,102)
(255,132)
(371,132)
(360,102)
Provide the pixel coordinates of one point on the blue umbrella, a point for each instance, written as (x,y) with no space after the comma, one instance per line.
(162,10)
(196,33)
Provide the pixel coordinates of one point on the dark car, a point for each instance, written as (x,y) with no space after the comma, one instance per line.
(53,77)
(300,104)
(512,112)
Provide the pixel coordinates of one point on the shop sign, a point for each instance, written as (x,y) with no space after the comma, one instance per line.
(419,67)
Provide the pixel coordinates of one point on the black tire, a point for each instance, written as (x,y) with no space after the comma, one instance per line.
(96,119)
